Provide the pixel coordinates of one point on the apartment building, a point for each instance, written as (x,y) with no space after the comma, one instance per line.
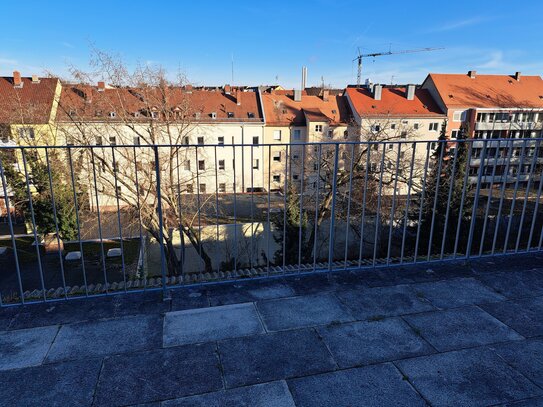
(391,113)
(292,117)
(199,132)
(492,107)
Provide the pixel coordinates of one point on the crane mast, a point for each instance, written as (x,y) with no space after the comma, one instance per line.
(378,54)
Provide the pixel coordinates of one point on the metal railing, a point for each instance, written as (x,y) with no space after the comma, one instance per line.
(104,219)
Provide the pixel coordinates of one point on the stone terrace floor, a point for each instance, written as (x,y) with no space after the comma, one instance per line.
(452,334)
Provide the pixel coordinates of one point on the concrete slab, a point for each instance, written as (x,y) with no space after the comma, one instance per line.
(6,316)
(456,293)
(460,328)
(299,312)
(533,402)
(63,384)
(248,291)
(376,303)
(274,394)
(310,283)
(526,357)
(472,377)
(379,385)
(189,298)
(523,315)
(363,343)
(89,309)
(274,356)
(100,338)
(211,324)
(163,374)
(518,284)
(26,347)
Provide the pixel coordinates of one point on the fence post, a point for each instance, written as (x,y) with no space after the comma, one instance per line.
(333,213)
(165,293)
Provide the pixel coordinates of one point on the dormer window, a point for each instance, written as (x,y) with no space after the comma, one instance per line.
(251,115)
(112,115)
(213,115)
(137,114)
(154,115)
(334,111)
(98,113)
(72,112)
(230,115)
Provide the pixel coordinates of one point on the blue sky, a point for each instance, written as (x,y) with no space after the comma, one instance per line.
(274,39)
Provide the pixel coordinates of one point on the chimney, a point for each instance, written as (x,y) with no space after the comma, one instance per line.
(87,92)
(377,91)
(297,95)
(517,76)
(304,77)
(101,86)
(410,93)
(17,81)
(227,89)
(472,74)
(237,96)
(325,95)
(35,79)
(188,88)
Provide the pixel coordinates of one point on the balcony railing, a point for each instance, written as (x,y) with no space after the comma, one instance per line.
(93,220)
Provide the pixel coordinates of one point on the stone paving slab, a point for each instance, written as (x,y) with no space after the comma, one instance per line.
(362,343)
(101,338)
(189,298)
(59,385)
(457,293)
(472,377)
(523,315)
(249,291)
(533,402)
(89,309)
(26,347)
(525,356)
(515,285)
(310,283)
(158,375)
(375,303)
(274,356)
(379,385)
(273,394)
(300,312)
(211,324)
(460,328)
(6,316)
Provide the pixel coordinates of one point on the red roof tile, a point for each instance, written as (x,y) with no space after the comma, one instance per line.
(489,91)
(31,103)
(393,103)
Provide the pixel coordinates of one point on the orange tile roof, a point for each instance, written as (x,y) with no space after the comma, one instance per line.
(489,91)
(393,103)
(31,103)
(282,110)
(84,101)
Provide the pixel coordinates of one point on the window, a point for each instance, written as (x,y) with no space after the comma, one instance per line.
(154,115)
(190,188)
(222,187)
(315,167)
(433,126)
(403,134)
(213,115)
(297,134)
(454,133)
(393,126)
(255,140)
(202,188)
(200,141)
(277,134)
(112,115)
(459,116)
(119,191)
(255,164)
(186,166)
(98,140)
(250,115)
(277,156)
(112,140)
(136,141)
(221,164)
(295,177)
(201,165)
(230,115)
(416,126)
(318,128)
(345,134)
(220,140)
(391,146)
(27,132)
(277,178)
(330,133)
(375,128)
(185,140)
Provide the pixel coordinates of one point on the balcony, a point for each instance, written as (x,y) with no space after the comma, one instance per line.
(326,292)
(507,125)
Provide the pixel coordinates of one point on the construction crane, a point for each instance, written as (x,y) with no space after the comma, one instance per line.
(378,54)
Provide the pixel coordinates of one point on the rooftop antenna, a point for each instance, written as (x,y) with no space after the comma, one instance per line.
(389,52)
(322,81)
(232,68)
